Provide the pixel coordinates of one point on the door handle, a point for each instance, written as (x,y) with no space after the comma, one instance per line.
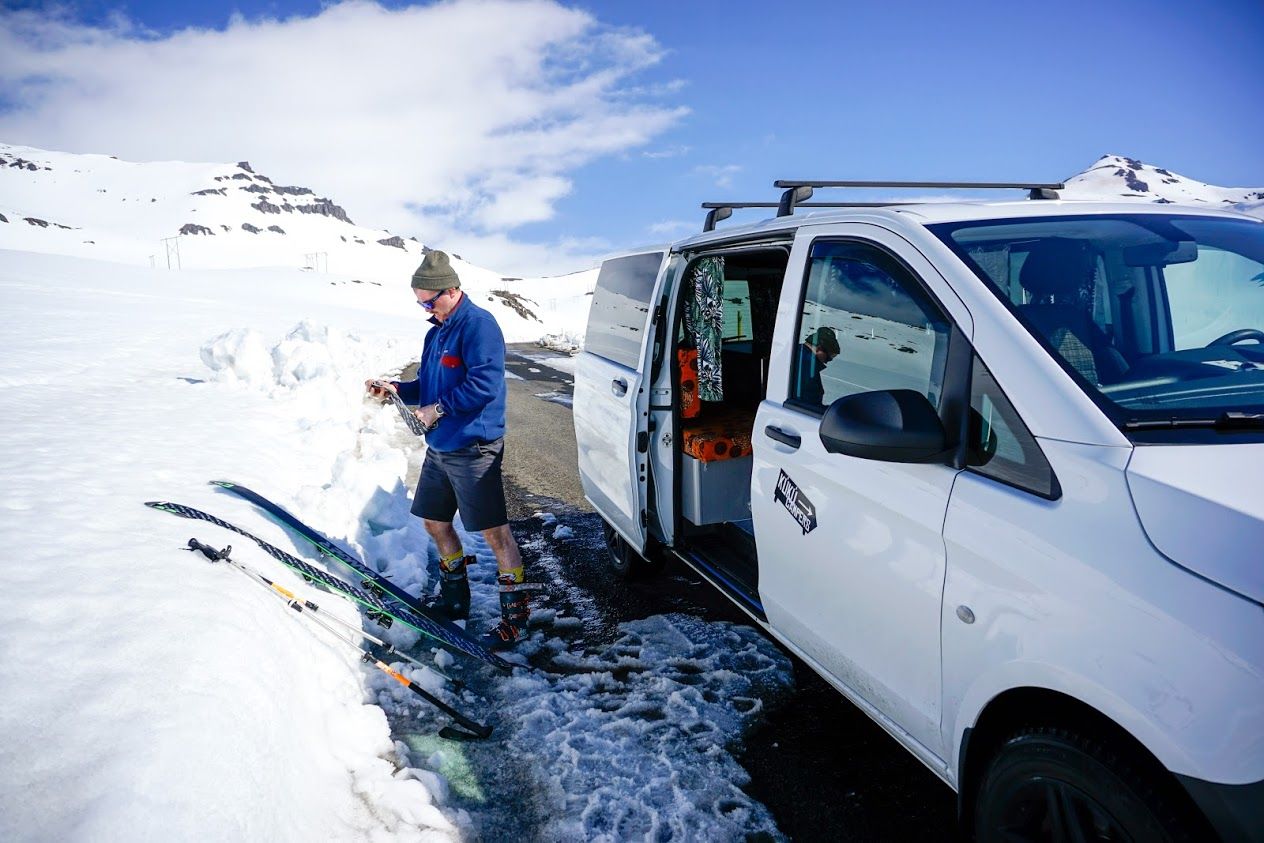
(794,440)
(619,386)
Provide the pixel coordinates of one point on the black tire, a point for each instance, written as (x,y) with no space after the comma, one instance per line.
(1054,784)
(626,562)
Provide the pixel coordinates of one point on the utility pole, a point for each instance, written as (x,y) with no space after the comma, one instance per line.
(173,248)
(313,260)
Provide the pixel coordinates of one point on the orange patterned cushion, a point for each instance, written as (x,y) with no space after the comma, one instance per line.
(690,405)
(724,435)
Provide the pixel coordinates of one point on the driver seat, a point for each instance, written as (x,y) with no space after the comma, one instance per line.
(1059,273)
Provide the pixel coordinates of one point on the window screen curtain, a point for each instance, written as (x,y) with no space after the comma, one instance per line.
(704,323)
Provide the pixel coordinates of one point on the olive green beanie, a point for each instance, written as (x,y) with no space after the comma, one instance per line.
(435,273)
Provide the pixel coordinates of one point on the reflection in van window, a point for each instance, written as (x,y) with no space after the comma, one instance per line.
(621,308)
(866,325)
(1159,316)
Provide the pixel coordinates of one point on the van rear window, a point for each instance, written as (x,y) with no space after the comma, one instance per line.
(621,307)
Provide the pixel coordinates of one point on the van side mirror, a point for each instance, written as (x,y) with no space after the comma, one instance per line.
(895,425)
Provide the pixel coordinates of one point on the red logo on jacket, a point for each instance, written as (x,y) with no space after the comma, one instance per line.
(450,361)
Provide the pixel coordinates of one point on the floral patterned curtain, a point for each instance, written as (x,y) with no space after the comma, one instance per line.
(704,323)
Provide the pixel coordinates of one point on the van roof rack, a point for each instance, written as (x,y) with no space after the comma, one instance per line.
(796,193)
(723,210)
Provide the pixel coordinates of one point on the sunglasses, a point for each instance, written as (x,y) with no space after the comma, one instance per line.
(429,304)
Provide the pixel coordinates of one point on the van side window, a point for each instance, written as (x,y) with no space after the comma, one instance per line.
(621,308)
(999,445)
(866,325)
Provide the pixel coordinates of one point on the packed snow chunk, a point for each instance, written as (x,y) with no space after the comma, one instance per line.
(563,532)
(306,353)
(239,356)
(636,742)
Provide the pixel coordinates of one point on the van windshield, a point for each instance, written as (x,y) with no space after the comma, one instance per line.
(1160,318)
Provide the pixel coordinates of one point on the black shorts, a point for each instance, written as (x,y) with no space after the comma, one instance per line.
(467,479)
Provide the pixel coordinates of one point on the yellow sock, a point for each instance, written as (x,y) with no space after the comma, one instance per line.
(513,576)
(451,562)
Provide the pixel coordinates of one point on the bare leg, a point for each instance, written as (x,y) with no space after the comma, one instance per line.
(502,543)
(445,537)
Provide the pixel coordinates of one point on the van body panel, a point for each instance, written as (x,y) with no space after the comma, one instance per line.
(860,590)
(612,395)
(1094,611)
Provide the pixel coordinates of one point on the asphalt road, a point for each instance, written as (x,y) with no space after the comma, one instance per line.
(823,768)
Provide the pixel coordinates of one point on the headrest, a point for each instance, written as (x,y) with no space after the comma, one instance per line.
(1056,267)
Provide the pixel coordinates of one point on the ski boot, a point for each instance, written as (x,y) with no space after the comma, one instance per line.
(453,599)
(515,611)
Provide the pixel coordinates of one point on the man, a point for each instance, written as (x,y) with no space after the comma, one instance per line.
(814,354)
(460,390)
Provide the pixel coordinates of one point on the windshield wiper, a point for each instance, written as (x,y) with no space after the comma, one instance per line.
(1232,420)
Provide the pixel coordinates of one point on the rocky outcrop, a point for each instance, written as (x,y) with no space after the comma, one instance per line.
(255,188)
(3,218)
(293,190)
(36,221)
(396,241)
(516,303)
(244,165)
(276,228)
(225,227)
(266,207)
(20,163)
(242,176)
(325,208)
(253,229)
(211,191)
(194,228)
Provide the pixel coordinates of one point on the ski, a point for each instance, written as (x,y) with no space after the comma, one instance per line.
(469,728)
(379,609)
(371,580)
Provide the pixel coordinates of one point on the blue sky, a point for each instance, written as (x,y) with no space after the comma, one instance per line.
(882,90)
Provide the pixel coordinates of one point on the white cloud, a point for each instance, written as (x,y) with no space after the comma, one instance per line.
(674,228)
(460,118)
(721,174)
(667,152)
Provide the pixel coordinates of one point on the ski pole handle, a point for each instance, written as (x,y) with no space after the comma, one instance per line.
(209,552)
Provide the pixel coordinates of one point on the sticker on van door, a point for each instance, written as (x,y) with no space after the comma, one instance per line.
(796,503)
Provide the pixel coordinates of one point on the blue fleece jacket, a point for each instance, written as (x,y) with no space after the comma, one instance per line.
(463,369)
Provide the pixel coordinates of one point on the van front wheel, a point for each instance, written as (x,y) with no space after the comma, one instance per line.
(626,562)
(1054,784)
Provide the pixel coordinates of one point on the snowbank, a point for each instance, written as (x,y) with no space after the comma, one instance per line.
(148,694)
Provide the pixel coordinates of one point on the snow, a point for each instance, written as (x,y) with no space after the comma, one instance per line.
(150,694)
(1117,177)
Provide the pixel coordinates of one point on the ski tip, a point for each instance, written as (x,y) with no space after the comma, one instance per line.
(223,484)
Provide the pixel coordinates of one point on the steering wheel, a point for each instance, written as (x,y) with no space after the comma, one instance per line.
(1235,337)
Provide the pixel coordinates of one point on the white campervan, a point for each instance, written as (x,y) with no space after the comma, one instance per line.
(994,470)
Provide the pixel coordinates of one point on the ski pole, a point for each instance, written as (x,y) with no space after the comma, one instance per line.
(476,731)
(310,606)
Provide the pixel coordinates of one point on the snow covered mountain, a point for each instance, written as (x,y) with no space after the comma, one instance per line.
(183,216)
(226,215)
(1115,177)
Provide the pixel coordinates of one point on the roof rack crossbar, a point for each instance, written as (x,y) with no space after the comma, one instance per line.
(799,190)
(804,204)
(795,194)
(717,211)
(982,185)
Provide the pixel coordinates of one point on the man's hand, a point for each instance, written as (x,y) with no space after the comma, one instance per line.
(379,389)
(428,416)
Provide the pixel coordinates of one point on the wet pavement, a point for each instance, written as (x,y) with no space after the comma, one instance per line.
(824,769)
